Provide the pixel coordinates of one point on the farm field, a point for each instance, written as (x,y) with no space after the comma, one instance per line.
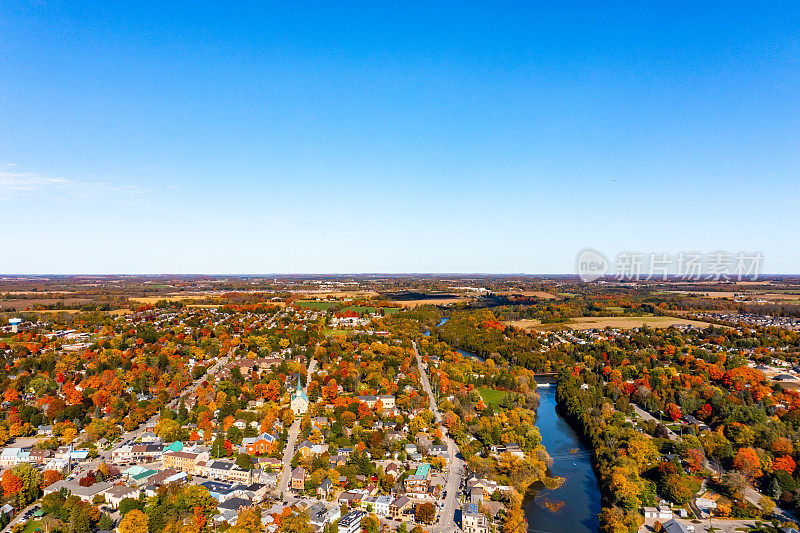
(347,295)
(622,322)
(537,294)
(525,323)
(168,297)
(411,304)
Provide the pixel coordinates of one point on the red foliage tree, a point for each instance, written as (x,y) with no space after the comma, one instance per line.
(785,463)
(673,411)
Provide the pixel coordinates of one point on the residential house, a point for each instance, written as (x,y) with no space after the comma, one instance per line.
(650,512)
(229,509)
(387,401)
(476,495)
(9,456)
(438,450)
(299,479)
(417,484)
(40,456)
(324,488)
(351,498)
(310,449)
(114,495)
(381,504)
(473,521)
(398,507)
(664,512)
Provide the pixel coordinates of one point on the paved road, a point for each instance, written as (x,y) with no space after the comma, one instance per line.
(288,451)
(647,416)
(16,519)
(446,522)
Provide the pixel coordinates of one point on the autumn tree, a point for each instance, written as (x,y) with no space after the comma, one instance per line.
(134,522)
(50,476)
(425,512)
(673,411)
(296,523)
(11,484)
(785,463)
(248,521)
(748,463)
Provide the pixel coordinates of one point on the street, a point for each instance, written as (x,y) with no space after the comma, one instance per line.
(446,520)
(291,442)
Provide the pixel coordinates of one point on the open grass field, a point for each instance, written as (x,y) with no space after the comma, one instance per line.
(492,397)
(33,525)
(314,304)
(169,297)
(525,323)
(411,304)
(621,322)
(532,294)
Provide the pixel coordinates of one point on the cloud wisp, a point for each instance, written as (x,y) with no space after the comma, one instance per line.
(15,184)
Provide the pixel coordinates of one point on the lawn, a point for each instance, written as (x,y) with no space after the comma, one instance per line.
(32,526)
(492,397)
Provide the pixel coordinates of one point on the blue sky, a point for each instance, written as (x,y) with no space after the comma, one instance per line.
(394,137)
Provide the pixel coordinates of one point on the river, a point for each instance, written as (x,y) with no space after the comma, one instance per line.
(580,492)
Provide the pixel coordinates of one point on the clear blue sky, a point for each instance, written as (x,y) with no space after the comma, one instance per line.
(394,137)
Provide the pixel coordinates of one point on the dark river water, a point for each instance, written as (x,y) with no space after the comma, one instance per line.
(580,492)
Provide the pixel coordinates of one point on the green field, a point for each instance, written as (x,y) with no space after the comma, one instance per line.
(32,526)
(492,397)
(311,304)
(364,309)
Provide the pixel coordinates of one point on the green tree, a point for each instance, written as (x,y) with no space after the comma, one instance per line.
(244,461)
(129,504)
(79,521)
